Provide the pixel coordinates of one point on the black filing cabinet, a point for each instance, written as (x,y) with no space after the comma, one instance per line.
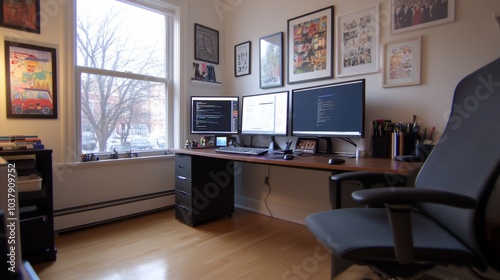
(204,188)
(35,207)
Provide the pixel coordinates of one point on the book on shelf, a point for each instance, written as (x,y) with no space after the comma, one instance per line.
(20,142)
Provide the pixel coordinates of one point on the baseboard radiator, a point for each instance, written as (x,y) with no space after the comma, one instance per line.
(73,218)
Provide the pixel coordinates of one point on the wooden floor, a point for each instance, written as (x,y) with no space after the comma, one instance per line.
(156,246)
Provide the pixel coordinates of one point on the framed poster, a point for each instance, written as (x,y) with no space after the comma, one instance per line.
(402,63)
(358,43)
(206,44)
(271,60)
(22,15)
(242,59)
(310,46)
(420,14)
(31,81)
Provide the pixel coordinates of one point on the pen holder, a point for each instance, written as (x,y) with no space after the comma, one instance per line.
(410,140)
(381,146)
(422,151)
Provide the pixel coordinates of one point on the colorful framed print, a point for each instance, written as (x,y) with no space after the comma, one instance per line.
(310,46)
(402,63)
(242,59)
(358,43)
(206,44)
(420,14)
(271,60)
(31,81)
(21,15)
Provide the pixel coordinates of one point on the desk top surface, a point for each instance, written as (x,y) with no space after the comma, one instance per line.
(318,162)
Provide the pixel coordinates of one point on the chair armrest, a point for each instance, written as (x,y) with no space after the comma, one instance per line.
(410,196)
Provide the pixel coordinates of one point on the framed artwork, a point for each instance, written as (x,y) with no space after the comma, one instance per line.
(206,44)
(242,59)
(271,60)
(402,63)
(31,81)
(310,46)
(420,14)
(306,145)
(358,43)
(22,15)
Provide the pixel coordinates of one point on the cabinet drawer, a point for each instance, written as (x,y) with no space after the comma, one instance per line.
(183,171)
(183,160)
(183,184)
(184,214)
(183,198)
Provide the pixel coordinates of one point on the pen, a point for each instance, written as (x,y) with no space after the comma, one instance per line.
(431,133)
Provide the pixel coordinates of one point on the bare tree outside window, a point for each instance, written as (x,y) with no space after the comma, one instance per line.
(122,71)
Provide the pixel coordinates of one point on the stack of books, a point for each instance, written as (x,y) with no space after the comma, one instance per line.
(20,142)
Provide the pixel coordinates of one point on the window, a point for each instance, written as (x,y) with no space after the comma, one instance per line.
(124,63)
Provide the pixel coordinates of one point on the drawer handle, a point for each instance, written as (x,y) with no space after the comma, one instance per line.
(182,167)
(183,193)
(182,177)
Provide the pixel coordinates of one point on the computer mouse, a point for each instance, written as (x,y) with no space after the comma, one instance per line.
(336,161)
(288,157)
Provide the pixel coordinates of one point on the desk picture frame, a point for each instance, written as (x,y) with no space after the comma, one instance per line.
(402,62)
(31,84)
(21,15)
(307,145)
(206,44)
(271,61)
(310,46)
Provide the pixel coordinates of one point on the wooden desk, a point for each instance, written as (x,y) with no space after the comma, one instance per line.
(317,162)
(190,186)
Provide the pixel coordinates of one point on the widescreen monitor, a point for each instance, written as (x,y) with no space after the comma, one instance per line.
(214,114)
(265,114)
(333,110)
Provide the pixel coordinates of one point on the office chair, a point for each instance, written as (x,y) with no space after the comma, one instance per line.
(441,220)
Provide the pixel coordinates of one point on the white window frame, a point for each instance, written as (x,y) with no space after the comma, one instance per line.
(72,123)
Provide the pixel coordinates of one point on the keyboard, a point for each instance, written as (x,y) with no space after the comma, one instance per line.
(242,150)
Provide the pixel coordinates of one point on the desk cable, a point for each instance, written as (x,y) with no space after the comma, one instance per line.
(266,181)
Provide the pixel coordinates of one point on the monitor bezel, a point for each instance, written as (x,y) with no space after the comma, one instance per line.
(333,134)
(213,97)
(287,118)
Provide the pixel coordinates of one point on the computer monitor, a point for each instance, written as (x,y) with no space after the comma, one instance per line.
(214,114)
(333,110)
(265,114)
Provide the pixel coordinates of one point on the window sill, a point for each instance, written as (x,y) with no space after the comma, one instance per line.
(118,161)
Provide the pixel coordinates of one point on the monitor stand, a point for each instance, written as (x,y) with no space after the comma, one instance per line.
(273,146)
(329,144)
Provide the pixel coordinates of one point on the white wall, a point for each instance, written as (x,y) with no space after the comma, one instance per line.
(450,51)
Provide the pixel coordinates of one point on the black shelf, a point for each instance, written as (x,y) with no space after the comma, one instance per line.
(36,208)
